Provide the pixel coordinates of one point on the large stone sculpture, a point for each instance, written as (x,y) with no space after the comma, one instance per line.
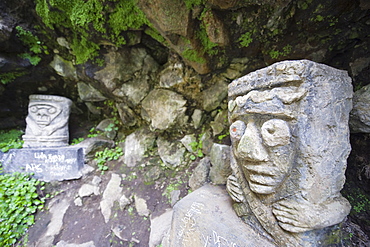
(290,141)
(47,121)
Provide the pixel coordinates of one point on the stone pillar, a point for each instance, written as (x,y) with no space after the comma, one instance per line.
(47,121)
(290,142)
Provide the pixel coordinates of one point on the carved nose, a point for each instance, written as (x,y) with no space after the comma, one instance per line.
(250,146)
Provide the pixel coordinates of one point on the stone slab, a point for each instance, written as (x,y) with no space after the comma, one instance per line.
(206,218)
(46,164)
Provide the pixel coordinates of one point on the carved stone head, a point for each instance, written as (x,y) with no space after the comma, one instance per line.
(290,142)
(47,121)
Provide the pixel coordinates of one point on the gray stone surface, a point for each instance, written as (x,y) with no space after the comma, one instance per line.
(220,123)
(212,97)
(86,190)
(66,244)
(111,194)
(136,145)
(89,93)
(220,163)
(127,115)
(47,121)
(359,121)
(163,108)
(47,164)
(57,210)
(107,127)
(92,145)
(188,142)
(205,218)
(141,206)
(159,227)
(64,68)
(172,75)
(290,143)
(171,153)
(200,174)
(124,202)
(197,118)
(127,73)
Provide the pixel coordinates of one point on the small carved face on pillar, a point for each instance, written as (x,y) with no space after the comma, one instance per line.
(290,142)
(47,121)
(43,114)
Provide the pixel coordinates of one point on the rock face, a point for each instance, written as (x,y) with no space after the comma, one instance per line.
(220,160)
(136,145)
(205,218)
(163,108)
(290,142)
(360,115)
(47,121)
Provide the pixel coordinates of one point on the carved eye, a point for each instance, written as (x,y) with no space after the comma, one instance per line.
(237,129)
(33,109)
(52,110)
(275,132)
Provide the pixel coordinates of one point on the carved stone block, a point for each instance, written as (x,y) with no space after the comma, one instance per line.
(46,164)
(290,142)
(47,121)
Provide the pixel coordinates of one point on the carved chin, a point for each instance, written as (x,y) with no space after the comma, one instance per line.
(262,189)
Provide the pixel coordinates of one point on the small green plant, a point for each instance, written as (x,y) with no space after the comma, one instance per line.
(33,43)
(169,189)
(196,146)
(18,203)
(276,54)
(5,78)
(10,139)
(221,137)
(77,140)
(102,157)
(93,133)
(360,202)
(192,3)
(110,20)
(130,177)
(246,39)
(192,55)
(130,210)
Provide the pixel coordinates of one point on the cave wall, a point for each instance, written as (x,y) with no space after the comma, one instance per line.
(110,56)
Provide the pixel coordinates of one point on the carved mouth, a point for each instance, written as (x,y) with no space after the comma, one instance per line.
(263,177)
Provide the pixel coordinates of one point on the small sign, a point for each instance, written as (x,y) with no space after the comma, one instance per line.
(46,164)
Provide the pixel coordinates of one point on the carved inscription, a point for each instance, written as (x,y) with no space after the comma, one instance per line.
(216,240)
(188,224)
(46,164)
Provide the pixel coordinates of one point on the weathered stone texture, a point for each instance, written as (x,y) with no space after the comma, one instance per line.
(47,121)
(163,109)
(205,218)
(290,141)
(360,114)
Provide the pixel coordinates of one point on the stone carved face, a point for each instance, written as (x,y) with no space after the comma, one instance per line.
(289,133)
(43,114)
(47,121)
(261,133)
(261,146)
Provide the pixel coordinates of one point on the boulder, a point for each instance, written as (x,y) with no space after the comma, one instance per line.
(359,121)
(205,217)
(163,109)
(213,96)
(136,145)
(220,160)
(171,153)
(200,174)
